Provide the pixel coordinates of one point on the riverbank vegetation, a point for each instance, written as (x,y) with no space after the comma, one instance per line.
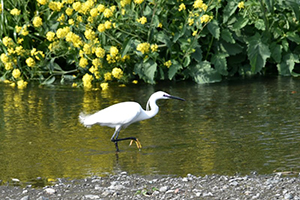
(96,42)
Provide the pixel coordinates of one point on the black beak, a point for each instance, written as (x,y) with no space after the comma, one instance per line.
(173,97)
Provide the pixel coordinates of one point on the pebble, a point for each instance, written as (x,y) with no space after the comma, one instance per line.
(126,186)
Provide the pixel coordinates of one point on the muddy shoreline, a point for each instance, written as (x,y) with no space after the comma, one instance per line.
(125,186)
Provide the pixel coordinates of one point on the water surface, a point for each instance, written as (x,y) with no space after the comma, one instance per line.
(236,126)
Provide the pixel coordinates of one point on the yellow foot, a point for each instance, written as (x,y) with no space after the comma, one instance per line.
(137,142)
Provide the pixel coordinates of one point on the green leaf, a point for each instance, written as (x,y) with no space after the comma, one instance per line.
(227,36)
(146,70)
(163,38)
(126,46)
(186,61)
(174,69)
(197,55)
(49,80)
(286,67)
(276,52)
(229,10)
(270,5)
(293,36)
(241,23)
(231,49)
(214,28)
(260,24)
(204,73)
(285,45)
(258,52)
(220,63)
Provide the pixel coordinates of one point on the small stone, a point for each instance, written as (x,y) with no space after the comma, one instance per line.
(50,190)
(185,179)
(170,191)
(207,194)
(163,189)
(91,196)
(25,198)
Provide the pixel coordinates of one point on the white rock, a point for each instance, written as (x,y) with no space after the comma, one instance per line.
(50,190)
(163,189)
(91,196)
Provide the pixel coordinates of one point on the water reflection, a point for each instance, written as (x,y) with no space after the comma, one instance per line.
(225,128)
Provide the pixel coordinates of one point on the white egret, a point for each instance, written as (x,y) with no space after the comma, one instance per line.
(123,114)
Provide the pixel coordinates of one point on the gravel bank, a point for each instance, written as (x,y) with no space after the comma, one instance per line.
(124,186)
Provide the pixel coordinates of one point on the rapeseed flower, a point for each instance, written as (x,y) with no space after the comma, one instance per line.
(113,51)
(15,12)
(107,25)
(83,62)
(205,18)
(50,36)
(42,2)
(76,6)
(101,28)
(87,81)
(107,13)
(101,8)
(69,11)
(143,47)
(135,81)
(30,62)
(125,2)
(168,63)
(8,66)
(104,86)
(37,21)
(22,84)
(100,52)
(154,47)
(7,41)
(24,31)
(94,12)
(4,58)
(117,73)
(55,6)
(16,73)
(107,76)
(138,1)
(241,5)
(181,7)
(89,34)
(142,20)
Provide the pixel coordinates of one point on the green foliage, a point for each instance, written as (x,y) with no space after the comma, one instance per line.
(102,41)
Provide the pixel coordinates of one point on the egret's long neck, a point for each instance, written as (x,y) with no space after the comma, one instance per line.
(151,108)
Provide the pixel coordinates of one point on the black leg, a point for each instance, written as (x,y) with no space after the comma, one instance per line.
(128,138)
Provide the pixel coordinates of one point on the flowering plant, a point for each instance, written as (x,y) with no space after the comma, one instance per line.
(99,41)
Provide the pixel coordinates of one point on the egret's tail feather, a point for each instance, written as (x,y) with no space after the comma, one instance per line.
(84,119)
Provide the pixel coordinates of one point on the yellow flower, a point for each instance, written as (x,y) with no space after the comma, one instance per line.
(62,32)
(168,64)
(107,76)
(69,11)
(143,47)
(87,81)
(42,2)
(241,5)
(8,66)
(37,21)
(94,12)
(194,33)
(83,62)
(16,73)
(74,84)
(125,2)
(50,36)
(104,86)
(181,7)
(191,21)
(76,6)
(71,21)
(117,73)
(18,29)
(160,25)
(101,28)
(100,52)
(113,51)
(198,4)
(15,12)
(142,20)
(22,84)
(89,34)
(154,47)
(4,58)
(134,81)
(101,8)
(107,25)
(30,62)
(97,62)
(107,13)
(55,6)
(205,18)
(138,1)
(0,8)
(20,40)
(19,50)
(25,32)
(7,41)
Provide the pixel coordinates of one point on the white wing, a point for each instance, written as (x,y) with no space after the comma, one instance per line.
(119,114)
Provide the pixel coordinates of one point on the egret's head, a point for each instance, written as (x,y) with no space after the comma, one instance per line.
(164,95)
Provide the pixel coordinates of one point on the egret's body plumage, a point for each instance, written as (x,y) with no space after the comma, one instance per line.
(123,114)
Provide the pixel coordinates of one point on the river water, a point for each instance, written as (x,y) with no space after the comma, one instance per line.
(237,126)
